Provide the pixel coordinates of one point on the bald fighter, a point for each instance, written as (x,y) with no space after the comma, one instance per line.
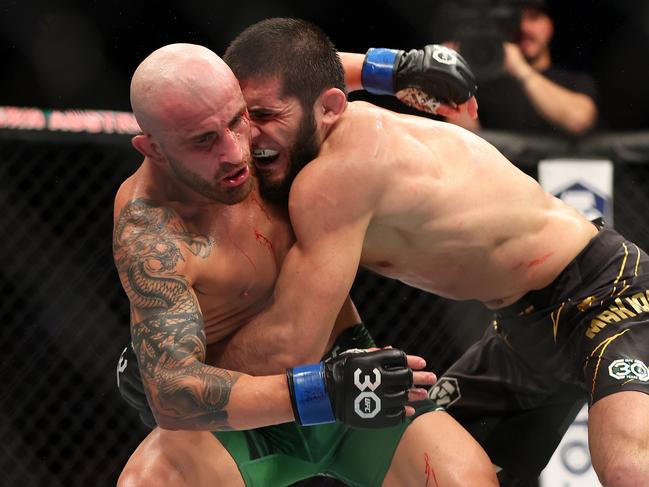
(198,253)
(439,208)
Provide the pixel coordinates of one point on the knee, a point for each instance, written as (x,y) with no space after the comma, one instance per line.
(153,472)
(623,472)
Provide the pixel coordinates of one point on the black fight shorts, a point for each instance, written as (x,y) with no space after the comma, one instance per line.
(583,337)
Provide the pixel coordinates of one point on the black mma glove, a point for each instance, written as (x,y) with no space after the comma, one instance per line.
(129,383)
(359,388)
(422,78)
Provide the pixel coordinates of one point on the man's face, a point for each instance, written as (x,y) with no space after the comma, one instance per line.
(536,32)
(206,141)
(286,140)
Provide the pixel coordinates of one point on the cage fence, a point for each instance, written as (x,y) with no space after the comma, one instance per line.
(65,317)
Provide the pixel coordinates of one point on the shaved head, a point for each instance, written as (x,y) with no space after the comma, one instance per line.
(196,128)
(173,80)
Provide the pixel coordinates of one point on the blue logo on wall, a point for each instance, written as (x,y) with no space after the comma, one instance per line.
(587,200)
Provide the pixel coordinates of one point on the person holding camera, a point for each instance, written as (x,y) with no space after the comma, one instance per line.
(532,94)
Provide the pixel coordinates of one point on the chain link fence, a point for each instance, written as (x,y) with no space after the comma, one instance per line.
(65,317)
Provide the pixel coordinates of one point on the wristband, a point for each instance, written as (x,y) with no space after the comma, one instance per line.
(310,399)
(377,74)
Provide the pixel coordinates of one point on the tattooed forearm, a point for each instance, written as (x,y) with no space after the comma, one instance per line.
(169,339)
(186,393)
(195,396)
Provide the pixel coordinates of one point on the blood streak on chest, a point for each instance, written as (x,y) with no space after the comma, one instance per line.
(265,242)
(238,247)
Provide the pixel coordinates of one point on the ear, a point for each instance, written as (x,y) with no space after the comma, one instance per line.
(330,105)
(146,146)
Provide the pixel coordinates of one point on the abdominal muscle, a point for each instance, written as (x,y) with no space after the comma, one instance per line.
(495,263)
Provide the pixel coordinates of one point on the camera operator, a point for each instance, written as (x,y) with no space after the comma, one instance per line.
(532,94)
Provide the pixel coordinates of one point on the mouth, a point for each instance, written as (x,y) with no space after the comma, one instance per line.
(238,177)
(264,157)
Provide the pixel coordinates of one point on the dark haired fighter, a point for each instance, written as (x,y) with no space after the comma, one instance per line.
(439,208)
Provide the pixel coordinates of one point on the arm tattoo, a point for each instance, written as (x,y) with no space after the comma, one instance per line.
(170,341)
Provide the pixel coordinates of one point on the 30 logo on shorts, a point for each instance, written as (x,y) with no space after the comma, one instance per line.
(367,404)
(628,369)
(445,392)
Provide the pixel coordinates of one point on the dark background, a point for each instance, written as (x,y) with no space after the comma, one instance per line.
(67,54)
(62,311)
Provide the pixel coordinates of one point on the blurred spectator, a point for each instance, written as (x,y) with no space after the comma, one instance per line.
(532,94)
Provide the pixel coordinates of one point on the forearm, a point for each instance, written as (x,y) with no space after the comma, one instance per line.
(353,65)
(573,112)
(310,292)
(273,343)
(186,393)
(200,397)
(255,350)
(259,350)
(260,401)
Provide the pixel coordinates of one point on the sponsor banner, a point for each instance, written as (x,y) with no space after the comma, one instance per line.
(570,466)
(90,121)
(584,184)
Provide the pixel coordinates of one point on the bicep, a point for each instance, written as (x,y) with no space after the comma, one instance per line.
(151,248)
(328,257)
(329,243)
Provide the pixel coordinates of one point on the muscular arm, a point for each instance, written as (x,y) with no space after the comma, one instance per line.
(151,249)
(315,277)
(247,350)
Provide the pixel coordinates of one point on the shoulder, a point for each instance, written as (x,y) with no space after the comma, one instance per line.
(139,208)
(146,231)
(344,180)
(144,214)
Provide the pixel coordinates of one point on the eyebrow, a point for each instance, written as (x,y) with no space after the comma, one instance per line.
(263,110)
(237,116)
(200,135)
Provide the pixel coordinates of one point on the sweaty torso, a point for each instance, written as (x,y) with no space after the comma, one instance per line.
(454,217)
(234,280)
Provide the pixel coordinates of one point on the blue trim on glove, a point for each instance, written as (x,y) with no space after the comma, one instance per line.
(311,398)
(377,75)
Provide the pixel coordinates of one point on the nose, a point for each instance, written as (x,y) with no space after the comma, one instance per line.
(231,147)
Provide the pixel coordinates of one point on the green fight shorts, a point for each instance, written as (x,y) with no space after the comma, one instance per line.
(281,455)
